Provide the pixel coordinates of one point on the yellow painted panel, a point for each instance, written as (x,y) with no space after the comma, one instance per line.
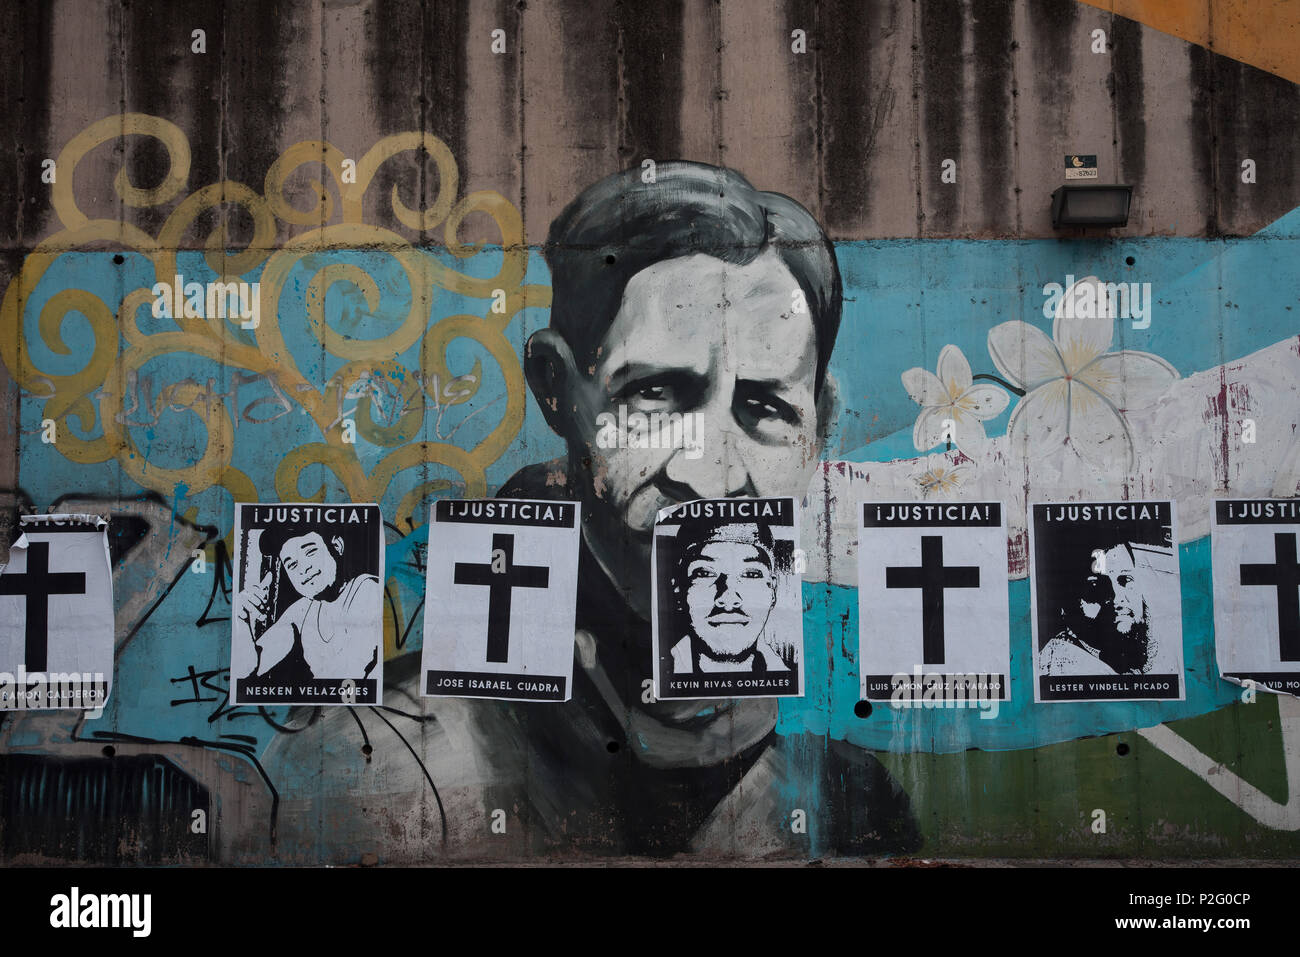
(1262,33)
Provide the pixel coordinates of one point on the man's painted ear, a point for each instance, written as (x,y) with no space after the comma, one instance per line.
(552,372)
(337,542)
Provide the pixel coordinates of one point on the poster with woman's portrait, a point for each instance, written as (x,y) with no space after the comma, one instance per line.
(728,614)
(307,606)
(1107,602)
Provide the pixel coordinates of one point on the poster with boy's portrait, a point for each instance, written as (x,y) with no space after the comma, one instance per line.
(307,625)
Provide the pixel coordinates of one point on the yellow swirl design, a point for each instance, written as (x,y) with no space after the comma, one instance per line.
(398,408)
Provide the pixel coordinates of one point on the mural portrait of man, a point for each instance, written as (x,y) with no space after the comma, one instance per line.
(695,295)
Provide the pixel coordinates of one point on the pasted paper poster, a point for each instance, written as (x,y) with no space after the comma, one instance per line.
(500,599)
(1107,605)
(727,602)
(307,621)
(56,615)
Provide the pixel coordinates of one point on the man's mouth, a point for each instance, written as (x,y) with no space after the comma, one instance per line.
(728,619)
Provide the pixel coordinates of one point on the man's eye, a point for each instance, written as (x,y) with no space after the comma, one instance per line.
(1125,580)
(758,406)
(661,391)
(701,573)
(655,393)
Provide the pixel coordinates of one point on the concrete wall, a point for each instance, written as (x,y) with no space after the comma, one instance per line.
(233,161)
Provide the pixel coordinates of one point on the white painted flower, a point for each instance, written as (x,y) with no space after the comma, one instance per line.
(952,397)
(1076,388)
(939,476)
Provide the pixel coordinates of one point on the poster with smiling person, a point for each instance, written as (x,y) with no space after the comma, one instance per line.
(306,621)
(1106,598)
(728,619)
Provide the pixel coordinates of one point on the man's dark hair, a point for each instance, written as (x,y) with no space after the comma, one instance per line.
(621,225)
(351,561)
(274,537)
(694,533)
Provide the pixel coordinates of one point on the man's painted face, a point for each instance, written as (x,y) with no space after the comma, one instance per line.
(1113,598)
(722,346)
(309,564)
(730,591)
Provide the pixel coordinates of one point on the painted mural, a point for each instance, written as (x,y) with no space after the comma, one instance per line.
(166,376)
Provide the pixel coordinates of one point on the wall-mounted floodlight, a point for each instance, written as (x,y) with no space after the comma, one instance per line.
(1091,205)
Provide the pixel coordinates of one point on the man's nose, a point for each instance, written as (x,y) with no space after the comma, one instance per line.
(720,472)
(728,598)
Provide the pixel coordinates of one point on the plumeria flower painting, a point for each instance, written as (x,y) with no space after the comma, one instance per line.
(1076,389)
(939,476)
(953,407)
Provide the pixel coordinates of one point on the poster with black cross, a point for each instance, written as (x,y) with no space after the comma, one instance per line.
(56,615)
(1253,547)
(932,602)
(500,601)
(1107,601)
(726,598)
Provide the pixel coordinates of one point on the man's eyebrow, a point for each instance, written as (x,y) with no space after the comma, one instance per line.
(768,385)
(635,371)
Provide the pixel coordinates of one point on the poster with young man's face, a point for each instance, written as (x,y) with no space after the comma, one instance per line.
(728,613)
(1257,592)
(1107,605)
(307,613)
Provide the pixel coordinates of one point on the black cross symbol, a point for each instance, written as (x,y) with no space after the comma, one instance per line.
(501,584)
(1285,577)
(37,584)
(932,578)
